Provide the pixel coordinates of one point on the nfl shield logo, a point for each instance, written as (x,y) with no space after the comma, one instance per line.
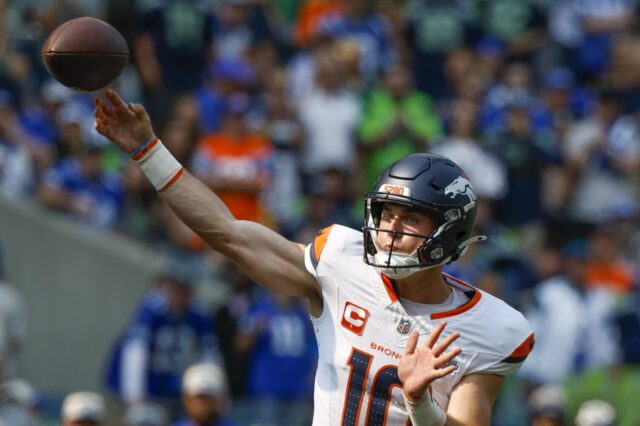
(404,326)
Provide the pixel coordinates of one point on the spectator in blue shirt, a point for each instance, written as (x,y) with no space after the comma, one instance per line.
(368,30)
(168,333)
(279,336)
(78,185)
(204,396)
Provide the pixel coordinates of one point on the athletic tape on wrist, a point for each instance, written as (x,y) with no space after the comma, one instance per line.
(424,411)
(157,163)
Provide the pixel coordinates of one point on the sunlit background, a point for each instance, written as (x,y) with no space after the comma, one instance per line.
(289,109)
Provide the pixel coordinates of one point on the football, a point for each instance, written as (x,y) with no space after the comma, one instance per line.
(85,54)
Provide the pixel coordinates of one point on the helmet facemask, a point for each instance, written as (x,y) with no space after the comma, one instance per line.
(428,255)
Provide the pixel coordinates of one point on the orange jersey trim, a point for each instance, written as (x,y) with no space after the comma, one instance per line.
(388,285)
(523,350)
(318,245)
(460,309)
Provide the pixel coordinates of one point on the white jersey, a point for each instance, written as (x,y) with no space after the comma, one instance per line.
(363,331)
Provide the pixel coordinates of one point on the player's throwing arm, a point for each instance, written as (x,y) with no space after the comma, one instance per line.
(265,256)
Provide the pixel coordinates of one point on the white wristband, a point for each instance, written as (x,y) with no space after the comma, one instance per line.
(425,411)
(157,163)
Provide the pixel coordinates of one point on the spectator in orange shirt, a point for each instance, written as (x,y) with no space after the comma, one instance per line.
(605,267)
(235,162)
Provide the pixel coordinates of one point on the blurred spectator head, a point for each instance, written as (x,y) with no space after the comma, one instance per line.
(491,56)
(458,65)
(75,129)
(237,106)
(547,406)
(604,245)
(327,72)
(518,75)
(518,113)
(204,393)
(263,61)
(186,109)
(398,80)
(559,79)
(146,414)
(608,106)
(557,85)
(472,87)
(347,53)
(231,74)
(178,281)
(180,137)
(20,392)
(235,12)
(83,409)
(178,287)
(596,412)
(464,115)
(91,159)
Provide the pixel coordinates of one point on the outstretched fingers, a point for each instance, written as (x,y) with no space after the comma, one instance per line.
(412,343)
(442,372)
(115,99)
(447,358)
(446,342)
(435,334)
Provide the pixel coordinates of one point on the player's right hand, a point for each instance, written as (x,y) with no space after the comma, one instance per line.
(420,366)
(126,125)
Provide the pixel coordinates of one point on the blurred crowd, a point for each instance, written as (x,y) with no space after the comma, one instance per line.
(288,110)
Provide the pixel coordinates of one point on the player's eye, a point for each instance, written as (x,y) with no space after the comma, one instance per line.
(411,220)
(386,217)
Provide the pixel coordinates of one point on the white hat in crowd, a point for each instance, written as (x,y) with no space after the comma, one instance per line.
(83,406)
(548,400)
(204,379)
(596,413)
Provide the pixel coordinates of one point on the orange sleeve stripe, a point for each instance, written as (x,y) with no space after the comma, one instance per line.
(318,245)
(520,353)
(524,349)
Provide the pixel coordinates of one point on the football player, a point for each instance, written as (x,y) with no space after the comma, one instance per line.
(399,342)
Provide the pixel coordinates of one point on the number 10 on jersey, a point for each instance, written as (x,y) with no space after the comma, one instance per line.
(384,380)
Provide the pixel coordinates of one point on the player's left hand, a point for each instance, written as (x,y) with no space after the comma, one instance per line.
(420,366)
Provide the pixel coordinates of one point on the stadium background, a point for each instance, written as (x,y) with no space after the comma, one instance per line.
(536,100)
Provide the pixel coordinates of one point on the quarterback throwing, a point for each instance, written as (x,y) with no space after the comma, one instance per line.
(399,342)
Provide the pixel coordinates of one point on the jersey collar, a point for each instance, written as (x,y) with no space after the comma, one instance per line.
(390,295)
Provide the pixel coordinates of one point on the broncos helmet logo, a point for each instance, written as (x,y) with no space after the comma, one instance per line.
(460,186)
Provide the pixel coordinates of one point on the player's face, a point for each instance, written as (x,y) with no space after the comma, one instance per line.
(400,218)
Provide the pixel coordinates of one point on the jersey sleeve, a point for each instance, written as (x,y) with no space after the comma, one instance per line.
(512,345)
(317,251)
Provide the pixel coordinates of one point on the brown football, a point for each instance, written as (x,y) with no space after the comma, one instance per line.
(85,54)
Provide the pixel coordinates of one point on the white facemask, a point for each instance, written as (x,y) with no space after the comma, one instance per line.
(398,259)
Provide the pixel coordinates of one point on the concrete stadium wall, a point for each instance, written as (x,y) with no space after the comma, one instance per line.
(80,287)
